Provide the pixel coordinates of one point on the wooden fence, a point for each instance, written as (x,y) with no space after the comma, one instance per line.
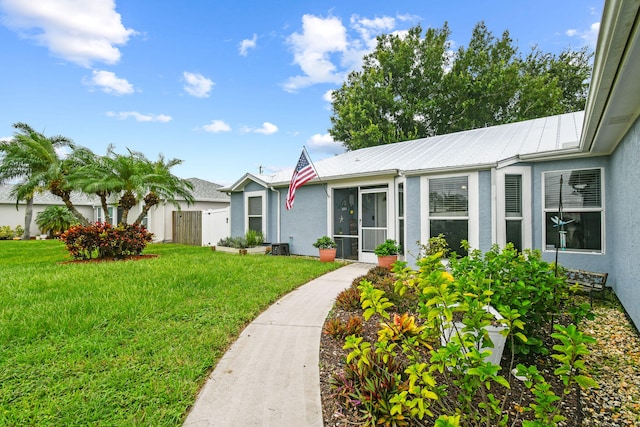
(187,227)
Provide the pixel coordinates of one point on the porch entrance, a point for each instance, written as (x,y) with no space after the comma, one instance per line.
(359,221)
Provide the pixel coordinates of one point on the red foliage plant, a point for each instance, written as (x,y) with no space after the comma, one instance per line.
(103,240)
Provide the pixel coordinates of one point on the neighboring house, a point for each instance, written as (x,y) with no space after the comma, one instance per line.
(159,219)
(488,186)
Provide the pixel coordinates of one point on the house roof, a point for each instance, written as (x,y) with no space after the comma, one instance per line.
(203,191)
(612,105)
(207,191)
(46,198)
(474,149)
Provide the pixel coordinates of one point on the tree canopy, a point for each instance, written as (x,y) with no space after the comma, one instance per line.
(31,159)
(414,85)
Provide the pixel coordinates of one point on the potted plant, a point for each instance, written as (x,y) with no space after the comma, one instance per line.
(387,253)
(327,247)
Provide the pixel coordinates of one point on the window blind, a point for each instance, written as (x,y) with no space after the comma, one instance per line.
(449,196)
(513,195)
(580,189)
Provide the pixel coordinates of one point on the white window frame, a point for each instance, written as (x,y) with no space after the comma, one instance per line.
(248,195)
(100,216)
(501,226)
(473,217)
(567,173)
(401,218)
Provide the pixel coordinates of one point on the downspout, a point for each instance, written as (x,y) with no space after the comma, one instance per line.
(278,239)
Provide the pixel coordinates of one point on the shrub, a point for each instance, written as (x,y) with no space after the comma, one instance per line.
(55,219)
(520,281)
(6,233)
(104,240)
(348,299)
(338,329)
(251,239)
(406,375)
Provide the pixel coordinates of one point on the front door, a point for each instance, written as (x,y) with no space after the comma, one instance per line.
(373,221)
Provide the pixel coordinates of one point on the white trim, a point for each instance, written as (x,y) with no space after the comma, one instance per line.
(359,184)
(473,218)
(247,195)
(500,224)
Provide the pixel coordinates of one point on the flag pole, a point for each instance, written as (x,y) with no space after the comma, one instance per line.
(306,153)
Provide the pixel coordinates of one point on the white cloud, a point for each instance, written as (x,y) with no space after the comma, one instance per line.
(217,126)
(325,143)
(139,117)
(197,85)
(328,96)
(110,83)
(267,128)
(247,44)
(81,32)
(588,36)
(326,51)
(312,48)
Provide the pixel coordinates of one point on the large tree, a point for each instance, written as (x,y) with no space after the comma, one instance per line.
(32,160)
(415,86)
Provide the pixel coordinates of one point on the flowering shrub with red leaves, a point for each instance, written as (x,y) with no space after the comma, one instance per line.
(103,240)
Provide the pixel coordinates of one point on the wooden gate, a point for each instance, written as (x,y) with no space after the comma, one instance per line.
(187,227)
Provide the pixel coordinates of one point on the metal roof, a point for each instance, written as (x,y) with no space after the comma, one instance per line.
(474,149)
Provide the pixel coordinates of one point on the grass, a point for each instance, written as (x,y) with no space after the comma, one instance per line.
(124,343)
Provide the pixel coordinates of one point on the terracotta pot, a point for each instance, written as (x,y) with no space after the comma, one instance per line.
(327,255)
(386,260)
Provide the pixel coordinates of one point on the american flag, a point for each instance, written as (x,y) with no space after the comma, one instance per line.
(303,173)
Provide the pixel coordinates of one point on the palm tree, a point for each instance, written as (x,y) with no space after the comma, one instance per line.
(164,185)
(55,219)
(94,175)
(31,159)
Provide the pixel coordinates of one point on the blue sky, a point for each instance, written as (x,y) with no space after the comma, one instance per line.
(227,87)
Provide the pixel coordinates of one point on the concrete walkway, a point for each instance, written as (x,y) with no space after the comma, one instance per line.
(270,375)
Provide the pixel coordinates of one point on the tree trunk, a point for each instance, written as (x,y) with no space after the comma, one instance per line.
(28,216)
(150,200)
(127,201)
(105,208)
(67,202)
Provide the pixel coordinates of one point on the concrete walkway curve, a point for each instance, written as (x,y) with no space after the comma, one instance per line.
(270,375)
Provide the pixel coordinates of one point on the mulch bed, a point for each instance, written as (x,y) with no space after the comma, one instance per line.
(614,362)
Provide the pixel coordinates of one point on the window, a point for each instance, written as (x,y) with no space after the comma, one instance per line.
(513,207)
(578,195)
(449,210)
(255,209)
(513,210)
(100,217)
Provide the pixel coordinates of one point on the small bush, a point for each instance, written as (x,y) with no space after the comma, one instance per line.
(103,240)
(349,299)
(336,328)
(7,233)
(251,239)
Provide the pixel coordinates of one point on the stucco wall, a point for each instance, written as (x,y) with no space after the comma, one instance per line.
(302,225)
(584,261)
(12,217)
(624,230)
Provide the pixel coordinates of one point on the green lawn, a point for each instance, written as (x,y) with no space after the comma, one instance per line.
(124,343)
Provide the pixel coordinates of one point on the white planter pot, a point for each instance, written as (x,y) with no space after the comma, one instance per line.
(496,337)
(257,250)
